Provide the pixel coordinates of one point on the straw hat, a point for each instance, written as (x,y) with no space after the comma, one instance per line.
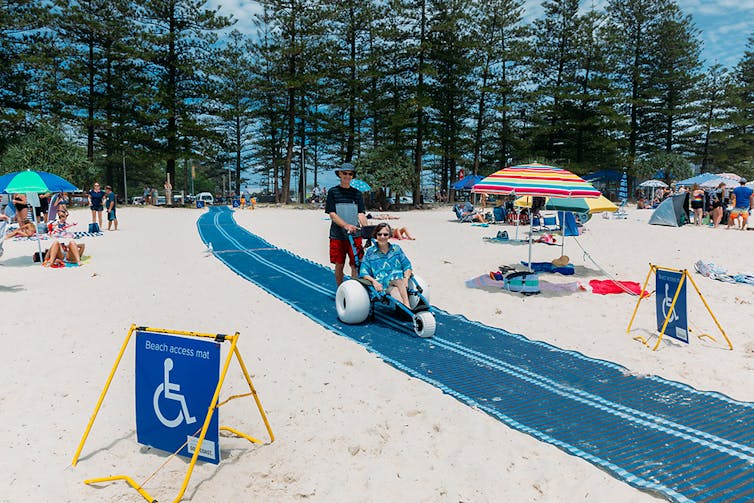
(561,261)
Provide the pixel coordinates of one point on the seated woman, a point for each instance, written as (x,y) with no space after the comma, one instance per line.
(59,253)
(25,229)
(385,265)
(59,226)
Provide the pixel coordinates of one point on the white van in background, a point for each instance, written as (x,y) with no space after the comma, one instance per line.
(206,197)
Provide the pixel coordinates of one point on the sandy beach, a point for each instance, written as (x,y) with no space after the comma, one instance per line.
(348,426)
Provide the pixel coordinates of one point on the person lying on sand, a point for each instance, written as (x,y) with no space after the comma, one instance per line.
(402,233)
(25,229)
(382,216)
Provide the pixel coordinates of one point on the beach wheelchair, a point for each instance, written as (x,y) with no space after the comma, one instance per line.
(356,298)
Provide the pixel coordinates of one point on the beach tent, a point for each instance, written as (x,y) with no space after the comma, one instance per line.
(670,212)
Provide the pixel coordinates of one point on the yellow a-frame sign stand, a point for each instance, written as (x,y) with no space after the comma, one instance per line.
(684,275)
(233,339)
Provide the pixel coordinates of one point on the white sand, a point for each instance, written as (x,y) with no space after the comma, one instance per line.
(349,427)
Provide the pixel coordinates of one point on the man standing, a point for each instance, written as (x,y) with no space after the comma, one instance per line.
(110,208)
(345,205)
(742,200)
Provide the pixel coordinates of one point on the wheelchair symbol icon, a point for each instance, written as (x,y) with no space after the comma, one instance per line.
(667,301)
(170,392)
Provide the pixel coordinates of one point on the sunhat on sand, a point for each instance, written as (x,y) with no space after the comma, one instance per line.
(561,261)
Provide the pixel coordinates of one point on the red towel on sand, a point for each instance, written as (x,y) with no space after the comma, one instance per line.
(606,286)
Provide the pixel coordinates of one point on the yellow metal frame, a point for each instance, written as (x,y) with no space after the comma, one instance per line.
(685,275)
(233,339)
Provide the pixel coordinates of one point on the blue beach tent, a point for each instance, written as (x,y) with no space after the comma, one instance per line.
(670,212)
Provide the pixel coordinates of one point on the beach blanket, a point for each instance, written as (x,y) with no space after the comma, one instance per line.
(566,270)
(607,286)
(84,234)
(485,281)
(712,271)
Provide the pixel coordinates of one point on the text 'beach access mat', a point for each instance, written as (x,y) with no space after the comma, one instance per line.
(661,436)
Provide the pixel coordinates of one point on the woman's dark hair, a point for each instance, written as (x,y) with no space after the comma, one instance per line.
(37,257)
(381,225)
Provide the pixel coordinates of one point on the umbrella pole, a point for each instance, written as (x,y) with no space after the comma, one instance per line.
(531,233)
(36,235)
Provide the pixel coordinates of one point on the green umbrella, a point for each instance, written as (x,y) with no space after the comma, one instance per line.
(25,182)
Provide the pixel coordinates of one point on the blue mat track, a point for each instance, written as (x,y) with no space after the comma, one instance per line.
(661,436)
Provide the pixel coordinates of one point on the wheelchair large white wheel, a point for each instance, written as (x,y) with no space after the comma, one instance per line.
(414,300)
(424,324)
(352,302)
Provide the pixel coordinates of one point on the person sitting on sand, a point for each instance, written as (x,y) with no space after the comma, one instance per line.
(59,226)
(385,265)
(60,253)
(25,229)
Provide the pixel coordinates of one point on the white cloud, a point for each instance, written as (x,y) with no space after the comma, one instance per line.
(243,12)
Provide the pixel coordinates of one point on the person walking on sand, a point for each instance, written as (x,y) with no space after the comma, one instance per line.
(742,200)
(345,205)
(110,207)
(95,204)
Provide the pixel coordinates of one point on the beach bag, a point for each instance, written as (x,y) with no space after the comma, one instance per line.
(93,227)
(522,281)
(499,213)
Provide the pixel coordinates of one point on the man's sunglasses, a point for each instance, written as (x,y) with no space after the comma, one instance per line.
(347,173)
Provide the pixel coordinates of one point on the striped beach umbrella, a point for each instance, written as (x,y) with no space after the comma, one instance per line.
(536,180)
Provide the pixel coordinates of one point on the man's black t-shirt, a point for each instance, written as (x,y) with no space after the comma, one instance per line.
(347,203)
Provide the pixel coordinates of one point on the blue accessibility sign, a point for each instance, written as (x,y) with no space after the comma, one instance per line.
(666,287)
(176,378)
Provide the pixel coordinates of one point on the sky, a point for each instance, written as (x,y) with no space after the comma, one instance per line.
(725,25)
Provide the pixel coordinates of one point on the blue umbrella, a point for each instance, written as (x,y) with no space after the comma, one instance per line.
(360,185)
(467,182)
(623,189)
(22,182)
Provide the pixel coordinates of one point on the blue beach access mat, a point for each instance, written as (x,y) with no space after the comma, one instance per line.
(660,436)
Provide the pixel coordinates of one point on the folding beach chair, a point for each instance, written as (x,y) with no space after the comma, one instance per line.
(464,212)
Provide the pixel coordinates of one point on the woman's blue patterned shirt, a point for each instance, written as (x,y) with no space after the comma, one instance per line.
(384,267)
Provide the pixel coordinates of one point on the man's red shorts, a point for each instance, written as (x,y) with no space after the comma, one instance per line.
(339,249)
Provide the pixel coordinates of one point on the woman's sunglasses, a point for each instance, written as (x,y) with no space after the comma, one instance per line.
(383,234)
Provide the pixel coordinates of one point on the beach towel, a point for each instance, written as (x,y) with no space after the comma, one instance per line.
(566,270)
(485,281)
(712,271)
(607,286)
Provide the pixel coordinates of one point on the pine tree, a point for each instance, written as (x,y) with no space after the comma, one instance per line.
(177,42)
